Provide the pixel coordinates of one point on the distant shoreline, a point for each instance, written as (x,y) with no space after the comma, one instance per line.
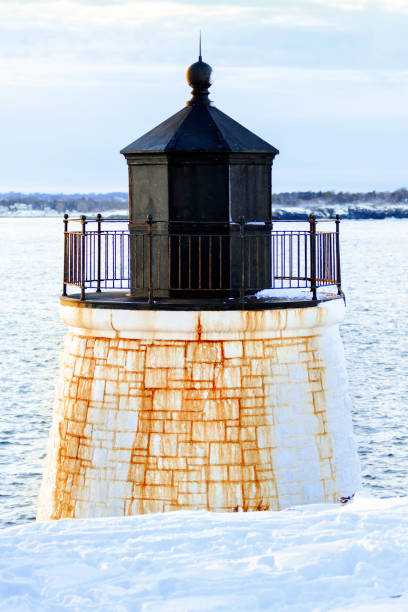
(278,214)
(290,205)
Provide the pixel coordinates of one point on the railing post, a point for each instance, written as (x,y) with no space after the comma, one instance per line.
(65,271)
(149,220)
(338,267)
(99,247)
(313,284)
(241,222)
(83,256)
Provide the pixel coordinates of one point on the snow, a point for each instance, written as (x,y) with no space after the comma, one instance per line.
(317,557)
(294,293)
(285,293)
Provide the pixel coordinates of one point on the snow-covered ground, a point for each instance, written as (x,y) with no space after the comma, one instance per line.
(318,557)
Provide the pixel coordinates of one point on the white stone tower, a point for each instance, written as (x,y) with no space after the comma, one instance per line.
(203,366)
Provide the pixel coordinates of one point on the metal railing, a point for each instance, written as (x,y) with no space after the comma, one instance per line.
(154,259)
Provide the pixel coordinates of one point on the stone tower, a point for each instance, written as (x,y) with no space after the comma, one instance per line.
(203,366)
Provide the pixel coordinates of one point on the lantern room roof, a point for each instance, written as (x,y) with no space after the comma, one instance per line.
(200,127)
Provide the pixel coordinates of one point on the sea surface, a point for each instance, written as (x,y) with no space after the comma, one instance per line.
(375,335)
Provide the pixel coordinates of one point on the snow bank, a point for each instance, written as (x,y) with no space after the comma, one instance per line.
(319,557)
(295,293)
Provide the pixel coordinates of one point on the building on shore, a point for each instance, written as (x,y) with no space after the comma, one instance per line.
(202,367)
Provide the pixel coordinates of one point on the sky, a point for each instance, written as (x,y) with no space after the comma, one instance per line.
(324,81)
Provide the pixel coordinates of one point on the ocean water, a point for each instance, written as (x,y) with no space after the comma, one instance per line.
(375,335)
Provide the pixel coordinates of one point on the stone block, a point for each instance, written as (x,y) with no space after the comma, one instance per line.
(141,440)
(314,374)
(209,352)
(176,384)
(261,367)
(84,388)
(165,356)
(224,495)
(192,500)
(202,371)
(252,491)
(247,433)
(191,475)
(253,348)
(252,381)
(163,445)
(217,473)
(181,427)
(177,374)
(223,409)
(232,349)
(147,506)
(240,473)
(319,400)
(158,477)
(120,489)
(74,428)
(232,434)
(191,487)
(126,420)
(97,391)
(287,354)
(96,416)
(266,474)
(155,378)
(139,455)
(226,453)
(325,469)
(172,463)
(79,410)
(298,372)
(255,420)
(251,457)
(324,446)
(116,357)
(189,449)
(226,377)
(267,490)
(136,473)
(156,492)
(266,436)
(101,348)
(124,440)
(77,346)
(85,452)
(208,431)
(167,399)
(202,384)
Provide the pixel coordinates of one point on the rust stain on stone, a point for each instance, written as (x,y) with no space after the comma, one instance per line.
(164,425)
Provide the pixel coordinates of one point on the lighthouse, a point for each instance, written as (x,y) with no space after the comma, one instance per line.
(202,366)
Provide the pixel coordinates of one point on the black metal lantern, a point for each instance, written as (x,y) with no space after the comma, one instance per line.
(207,179)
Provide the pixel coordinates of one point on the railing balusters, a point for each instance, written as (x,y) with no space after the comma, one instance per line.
(150,265)
(100,259)
(338,268)
(241,222)
(83,257)
(98,273)
(312,222)
(66,270)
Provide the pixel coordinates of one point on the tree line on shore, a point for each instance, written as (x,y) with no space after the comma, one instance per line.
(374,204)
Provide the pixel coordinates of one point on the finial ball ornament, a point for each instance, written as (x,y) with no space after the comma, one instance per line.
(199,75)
